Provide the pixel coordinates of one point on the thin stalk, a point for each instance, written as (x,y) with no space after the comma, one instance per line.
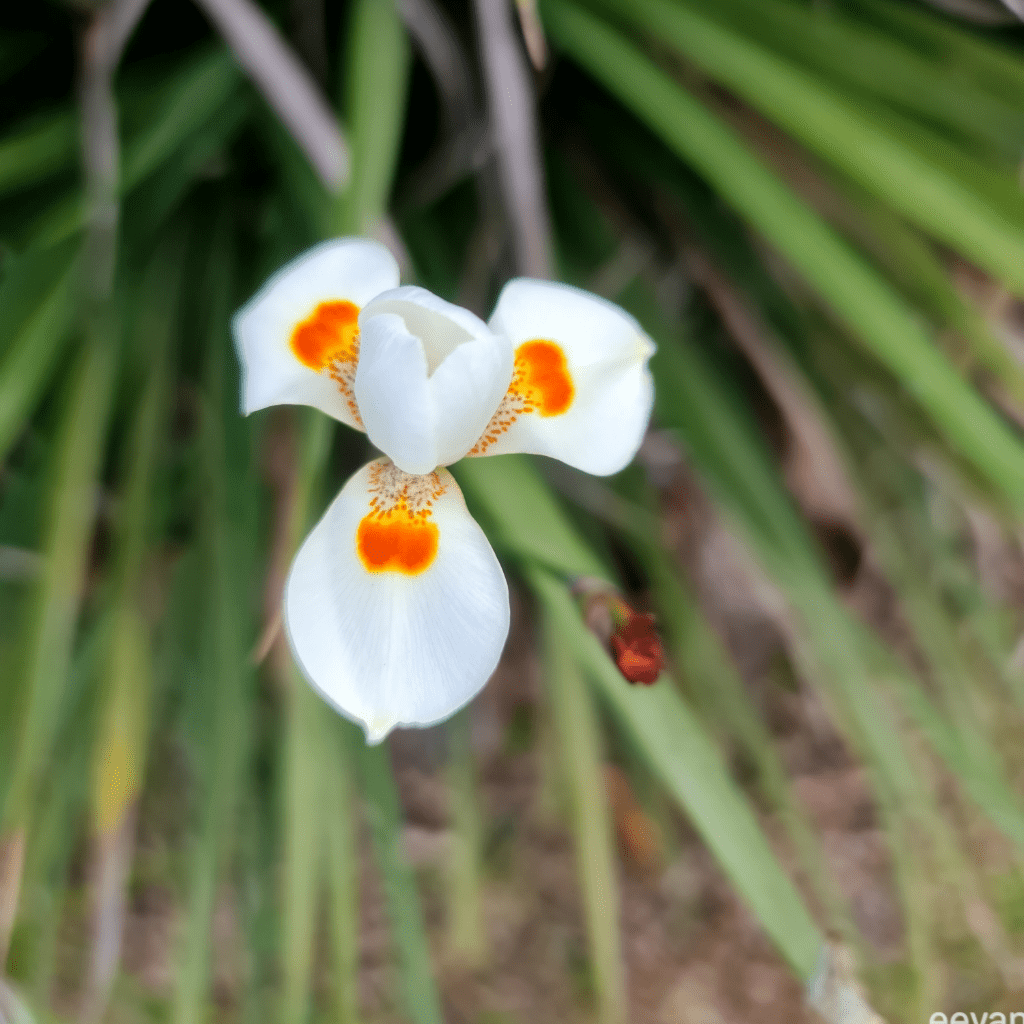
(467,938)
(119,757)
(228,486)
(417,992)
(342,869)
(578,732)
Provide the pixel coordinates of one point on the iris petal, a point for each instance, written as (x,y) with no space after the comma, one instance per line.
(430,376)
(581,389)
(396,607)
(298,339)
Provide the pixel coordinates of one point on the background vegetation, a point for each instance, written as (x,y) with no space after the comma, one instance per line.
(814,208)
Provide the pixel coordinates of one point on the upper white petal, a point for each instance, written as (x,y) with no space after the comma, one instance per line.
(607,353)
(388,649)
(430,376)
(342,269)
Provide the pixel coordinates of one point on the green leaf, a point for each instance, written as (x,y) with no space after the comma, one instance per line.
(198,89)
(44,146)
(662,727)
(31,342)
(303,846)
(467,938)
(227,543)
(417,992)
(577,732)
(857,293)
(684,759)
(377,77)
(342,869)
(510,483)
(167,118)
(848,137)
(72,511)
(987,62)
(861,60)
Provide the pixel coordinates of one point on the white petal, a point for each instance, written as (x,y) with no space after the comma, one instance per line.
(430,376)
(610,390)
(341,270)
(388,648)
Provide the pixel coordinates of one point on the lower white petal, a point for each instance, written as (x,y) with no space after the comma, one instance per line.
(297,338)
(581,389)
(396,607)
(430,376)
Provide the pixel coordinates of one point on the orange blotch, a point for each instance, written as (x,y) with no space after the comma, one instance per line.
(329,333)
(404,544)
(545,377)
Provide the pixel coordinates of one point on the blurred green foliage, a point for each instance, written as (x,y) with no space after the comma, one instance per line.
(818,181)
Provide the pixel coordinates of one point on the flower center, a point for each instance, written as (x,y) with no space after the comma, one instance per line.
(328,339)
(397,534)
(541,383)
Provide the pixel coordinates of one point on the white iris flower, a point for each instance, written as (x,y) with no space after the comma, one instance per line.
(396,607)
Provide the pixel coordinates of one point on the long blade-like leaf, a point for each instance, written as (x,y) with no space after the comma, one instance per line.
(856,292)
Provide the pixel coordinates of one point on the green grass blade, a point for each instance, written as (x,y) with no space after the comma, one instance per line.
(467,938)
(181,106)
(512,484)
(302,769)
(29,356)
(918,269)
(683,758)
(319,846)
(865,61)
(418,999)
(63,799)
(70,522)
(828,646)
(837,130)
(377,74)
(677,749)
(166,120)
(342,870)
(577,733)
(45,146)
(303,850)
(702,662)
(992,65)
(855,291)
(148,206)
(122,738)
(227,540)
(54,616)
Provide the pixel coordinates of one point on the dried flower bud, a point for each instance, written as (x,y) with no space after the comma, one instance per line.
(630,634)
(637,648)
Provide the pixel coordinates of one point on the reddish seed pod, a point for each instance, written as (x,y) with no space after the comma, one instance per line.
(637,648)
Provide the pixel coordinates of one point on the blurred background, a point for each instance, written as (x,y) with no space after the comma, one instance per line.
(815,208)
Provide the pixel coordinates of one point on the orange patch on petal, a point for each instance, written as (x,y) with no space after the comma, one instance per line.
(330,334)
(542,373)
(403,545)
(397,534)
(541,383)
